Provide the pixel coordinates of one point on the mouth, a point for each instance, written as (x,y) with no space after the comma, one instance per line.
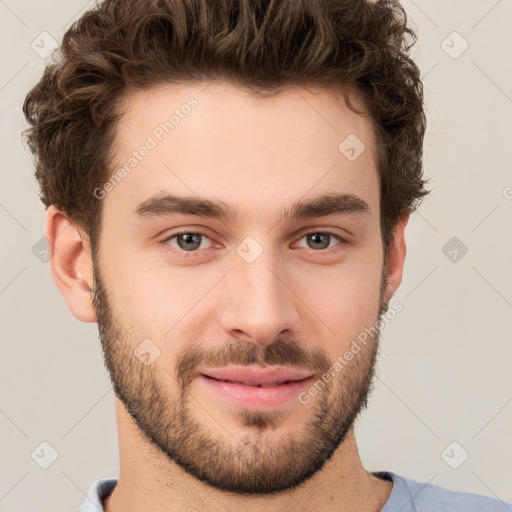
(267,385)
(256,389)
(255,376)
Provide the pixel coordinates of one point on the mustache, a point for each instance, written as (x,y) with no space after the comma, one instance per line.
(281,352)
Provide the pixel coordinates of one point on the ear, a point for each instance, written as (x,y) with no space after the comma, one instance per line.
(396,258)
(71,264)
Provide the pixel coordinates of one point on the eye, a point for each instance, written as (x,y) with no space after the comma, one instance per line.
(192,241)
(188,241)
(321,240)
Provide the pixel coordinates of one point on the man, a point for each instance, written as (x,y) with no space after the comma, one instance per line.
(227,186)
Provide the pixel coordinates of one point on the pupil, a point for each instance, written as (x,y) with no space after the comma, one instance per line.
(315,237)
(194,239)
(189,239)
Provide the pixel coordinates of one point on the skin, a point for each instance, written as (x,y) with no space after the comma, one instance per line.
(182,447)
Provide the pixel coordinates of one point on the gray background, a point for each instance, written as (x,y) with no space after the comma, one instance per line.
(445,371)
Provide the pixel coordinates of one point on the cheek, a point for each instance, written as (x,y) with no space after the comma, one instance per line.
(345,300)
(158,301)
(345,297)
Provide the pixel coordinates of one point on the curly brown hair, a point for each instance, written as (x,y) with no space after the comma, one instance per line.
(262,45)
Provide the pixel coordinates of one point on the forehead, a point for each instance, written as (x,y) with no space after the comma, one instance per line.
(219,141)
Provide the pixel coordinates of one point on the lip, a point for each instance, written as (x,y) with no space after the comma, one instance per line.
(249,395)
(252,376)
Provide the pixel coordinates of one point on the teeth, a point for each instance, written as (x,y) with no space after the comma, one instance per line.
(258,385)
(267,385)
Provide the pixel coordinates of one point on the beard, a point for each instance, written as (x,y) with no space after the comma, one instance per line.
(262,460)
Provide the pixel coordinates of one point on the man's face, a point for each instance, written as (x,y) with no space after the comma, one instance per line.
(262,289)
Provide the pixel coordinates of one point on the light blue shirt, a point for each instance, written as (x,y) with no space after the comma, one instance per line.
(407,496)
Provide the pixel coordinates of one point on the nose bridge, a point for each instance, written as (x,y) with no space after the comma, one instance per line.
(258,304)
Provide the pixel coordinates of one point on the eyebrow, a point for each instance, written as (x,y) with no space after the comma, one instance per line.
(163,204)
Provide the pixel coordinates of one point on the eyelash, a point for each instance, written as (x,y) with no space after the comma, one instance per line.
(190,254)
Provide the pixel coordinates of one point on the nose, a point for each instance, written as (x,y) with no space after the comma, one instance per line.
(258,301)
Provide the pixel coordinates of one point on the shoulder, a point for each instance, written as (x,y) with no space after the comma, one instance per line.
(98,491)
(410,495)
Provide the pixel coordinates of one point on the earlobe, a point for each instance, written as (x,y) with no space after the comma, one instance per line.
(396,258)
(71,264)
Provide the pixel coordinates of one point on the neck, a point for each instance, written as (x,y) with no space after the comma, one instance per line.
(149,481)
